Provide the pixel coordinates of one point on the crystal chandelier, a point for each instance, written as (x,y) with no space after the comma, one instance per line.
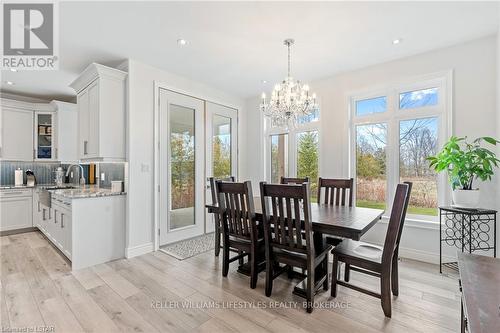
(289,100)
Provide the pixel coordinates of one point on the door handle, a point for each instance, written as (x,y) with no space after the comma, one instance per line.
(85,143)
(62,220)
(55,215)
(43,214)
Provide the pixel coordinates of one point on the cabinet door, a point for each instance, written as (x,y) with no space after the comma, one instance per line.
(45,132)
(93,140)
(15,213)
(83,123)
(56,224)
(16,135)
(66,240)
(44,215)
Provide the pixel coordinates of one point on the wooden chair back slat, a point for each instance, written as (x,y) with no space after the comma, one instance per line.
(395,221)
(213,187)
(236,209)
(336,191)
(290,180)
(290,221)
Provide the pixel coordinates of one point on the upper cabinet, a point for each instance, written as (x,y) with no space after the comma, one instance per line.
(16,127)
(45,132)
(101,95)
(38,131)
(66,135)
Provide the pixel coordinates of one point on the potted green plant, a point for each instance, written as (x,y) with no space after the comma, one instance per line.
(465,162)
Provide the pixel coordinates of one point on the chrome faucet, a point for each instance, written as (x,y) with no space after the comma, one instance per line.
(82,179)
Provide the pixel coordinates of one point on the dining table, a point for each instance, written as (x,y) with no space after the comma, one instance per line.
(331,220)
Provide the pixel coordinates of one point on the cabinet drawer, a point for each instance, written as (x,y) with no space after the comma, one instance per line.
(14,193)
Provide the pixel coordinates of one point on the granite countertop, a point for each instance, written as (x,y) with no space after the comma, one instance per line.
(69,191)
(88,191)
(37,186)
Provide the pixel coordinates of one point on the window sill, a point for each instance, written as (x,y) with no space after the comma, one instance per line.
(415,222)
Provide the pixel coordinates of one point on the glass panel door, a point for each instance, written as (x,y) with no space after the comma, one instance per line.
(44,142)
(181,156)
(221,143)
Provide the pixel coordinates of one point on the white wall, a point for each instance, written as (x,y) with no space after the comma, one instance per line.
(140,137)
(474,114)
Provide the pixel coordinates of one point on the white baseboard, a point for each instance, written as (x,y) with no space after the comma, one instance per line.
(138,250)
(425,256)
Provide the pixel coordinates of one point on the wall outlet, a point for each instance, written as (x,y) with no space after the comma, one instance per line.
(103,176)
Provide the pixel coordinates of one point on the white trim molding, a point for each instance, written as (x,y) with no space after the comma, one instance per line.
(138,250)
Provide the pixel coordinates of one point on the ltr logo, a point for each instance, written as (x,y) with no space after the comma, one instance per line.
(28,29)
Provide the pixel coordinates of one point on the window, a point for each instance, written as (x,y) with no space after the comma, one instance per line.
(307,158)
(279,157)
(371,176)
(418,98)
(294,152)
(418,139)
(371,105)
(393,131)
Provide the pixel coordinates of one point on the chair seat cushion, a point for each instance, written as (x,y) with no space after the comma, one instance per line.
(360,250)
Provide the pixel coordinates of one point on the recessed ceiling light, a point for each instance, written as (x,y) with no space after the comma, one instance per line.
(10,83)
(182,42)
(264,81)
(13,70)
(397,41)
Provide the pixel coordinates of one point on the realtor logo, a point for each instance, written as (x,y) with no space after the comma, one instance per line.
(29,33)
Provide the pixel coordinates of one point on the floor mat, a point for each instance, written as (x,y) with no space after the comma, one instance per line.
(190,247)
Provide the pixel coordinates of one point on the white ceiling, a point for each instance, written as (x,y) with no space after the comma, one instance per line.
(234,46)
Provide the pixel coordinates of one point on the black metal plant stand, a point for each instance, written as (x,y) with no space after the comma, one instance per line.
(468,230)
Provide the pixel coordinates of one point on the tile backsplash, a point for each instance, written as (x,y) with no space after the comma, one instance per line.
(44,171)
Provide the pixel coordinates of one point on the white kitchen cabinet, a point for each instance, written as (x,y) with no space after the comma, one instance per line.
(16,209)
(66,131)
(38,131)
(101,98)
(45,135)
(62,217)
(16,137)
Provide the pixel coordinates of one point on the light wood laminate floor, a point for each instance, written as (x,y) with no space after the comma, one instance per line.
(148,293)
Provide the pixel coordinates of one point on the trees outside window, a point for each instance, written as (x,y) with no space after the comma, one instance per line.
(393,132)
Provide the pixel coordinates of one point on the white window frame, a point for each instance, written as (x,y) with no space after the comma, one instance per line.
(292,144)
(392,117)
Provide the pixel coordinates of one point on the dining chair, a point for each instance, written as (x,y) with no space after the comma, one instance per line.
(290,180)
(288,236)
(374,260)
(336,192)
(239,227)
(218,227)
(395,258)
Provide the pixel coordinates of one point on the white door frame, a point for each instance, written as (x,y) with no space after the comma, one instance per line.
(156,96)
(212,109)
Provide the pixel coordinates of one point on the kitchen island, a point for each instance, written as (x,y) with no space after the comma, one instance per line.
(87,224)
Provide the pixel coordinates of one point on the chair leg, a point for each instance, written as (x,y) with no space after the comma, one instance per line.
(240,261)
(310,290)
(325,270)
(253,269)
(347,272)
(269,277)
(335,268)
(217,241)
(395,277)
(225,259)
(385,293)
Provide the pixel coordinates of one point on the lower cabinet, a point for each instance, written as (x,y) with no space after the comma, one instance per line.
(62,224)
(55,223)
(16,209)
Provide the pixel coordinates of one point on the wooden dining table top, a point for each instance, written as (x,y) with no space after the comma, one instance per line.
(341,221)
